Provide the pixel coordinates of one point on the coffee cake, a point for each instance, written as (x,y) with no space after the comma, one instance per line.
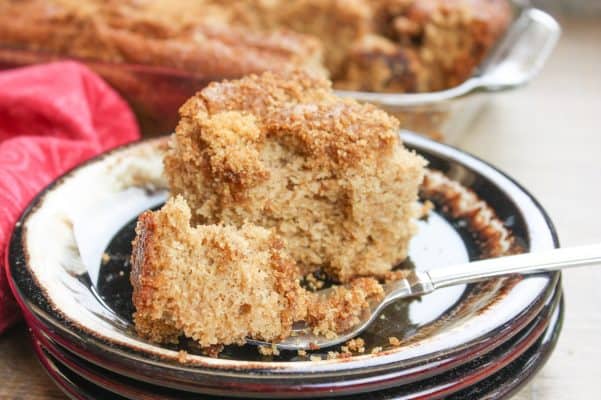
(214,284)
(329,175)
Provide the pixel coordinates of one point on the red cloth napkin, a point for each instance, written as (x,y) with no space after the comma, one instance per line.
(52,117)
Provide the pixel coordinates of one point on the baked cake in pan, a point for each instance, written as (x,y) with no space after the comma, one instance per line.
(371,45)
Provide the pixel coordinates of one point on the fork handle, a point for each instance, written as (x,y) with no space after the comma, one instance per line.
(528,263)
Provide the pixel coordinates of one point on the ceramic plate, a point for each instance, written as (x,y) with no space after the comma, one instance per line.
(461,378)
(496,375)
(56,264)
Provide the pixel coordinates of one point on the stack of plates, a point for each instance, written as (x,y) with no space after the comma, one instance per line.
(69,267)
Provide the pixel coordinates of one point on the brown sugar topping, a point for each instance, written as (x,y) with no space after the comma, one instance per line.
(299,110)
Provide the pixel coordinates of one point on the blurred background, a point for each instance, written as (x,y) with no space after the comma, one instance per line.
(548,136)
(570,7)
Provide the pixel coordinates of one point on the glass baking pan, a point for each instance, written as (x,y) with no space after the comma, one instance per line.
(156,93)
(513,62)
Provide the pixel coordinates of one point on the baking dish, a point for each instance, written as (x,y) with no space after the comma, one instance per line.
(513,62)
(156,93)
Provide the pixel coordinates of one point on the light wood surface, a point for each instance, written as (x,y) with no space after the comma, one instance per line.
(547,136)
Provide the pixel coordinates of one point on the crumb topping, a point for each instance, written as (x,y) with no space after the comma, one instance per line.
(297,109)
(230,140)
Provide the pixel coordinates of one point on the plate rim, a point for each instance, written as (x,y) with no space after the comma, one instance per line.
(546,341)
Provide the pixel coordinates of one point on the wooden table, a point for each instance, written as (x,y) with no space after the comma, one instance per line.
(547,136)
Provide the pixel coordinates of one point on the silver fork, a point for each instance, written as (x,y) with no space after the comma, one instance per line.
(423,282)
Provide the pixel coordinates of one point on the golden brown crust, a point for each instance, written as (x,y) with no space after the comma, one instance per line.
(337,24)
(145,280)
(379,64)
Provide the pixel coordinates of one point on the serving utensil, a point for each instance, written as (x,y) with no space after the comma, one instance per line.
(420,283)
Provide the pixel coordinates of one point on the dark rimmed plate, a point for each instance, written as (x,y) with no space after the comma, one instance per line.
(81,380)
(88,208)
(462,378)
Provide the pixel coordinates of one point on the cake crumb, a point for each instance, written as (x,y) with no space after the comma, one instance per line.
(269,350)
(265,350)
(212,351)
(301,353)
(376,350)
(427,206)
(342,308)
(356,345)
(396,275)
(332,355)
(105,258)
(182,356)
(315,357)
(314,283)
(394,341)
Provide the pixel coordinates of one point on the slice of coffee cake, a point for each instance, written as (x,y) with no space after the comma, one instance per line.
(214,284)
(329,175)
